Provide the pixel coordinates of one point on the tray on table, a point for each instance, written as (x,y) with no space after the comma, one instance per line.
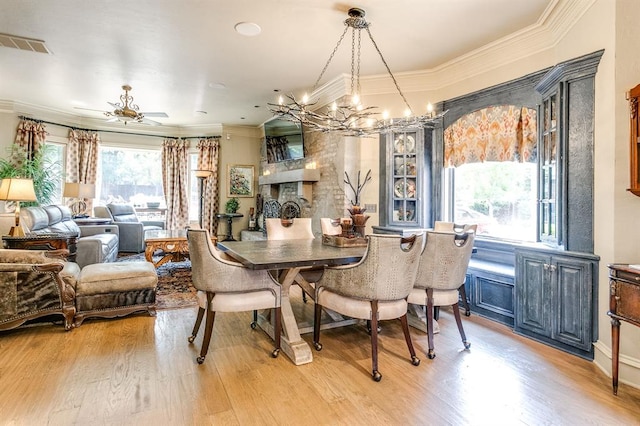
(340,241)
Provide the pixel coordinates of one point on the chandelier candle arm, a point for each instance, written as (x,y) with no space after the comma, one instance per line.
(352,119)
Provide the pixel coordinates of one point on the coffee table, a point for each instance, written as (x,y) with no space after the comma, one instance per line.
(172,242)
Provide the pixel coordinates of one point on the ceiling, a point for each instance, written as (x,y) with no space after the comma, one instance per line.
(181,57)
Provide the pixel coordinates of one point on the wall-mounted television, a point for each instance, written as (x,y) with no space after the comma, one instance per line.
(284,140)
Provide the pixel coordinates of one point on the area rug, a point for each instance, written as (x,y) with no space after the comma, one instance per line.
(174,283)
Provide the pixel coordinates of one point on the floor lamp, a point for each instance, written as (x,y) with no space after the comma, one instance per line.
(15,189)
(201,175)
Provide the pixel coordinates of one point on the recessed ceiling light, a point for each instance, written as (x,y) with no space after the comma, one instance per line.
(217,85)
(248,29)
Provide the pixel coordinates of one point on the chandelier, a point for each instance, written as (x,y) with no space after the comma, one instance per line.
(352,119)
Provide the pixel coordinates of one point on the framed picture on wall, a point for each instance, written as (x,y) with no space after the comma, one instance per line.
(240,183)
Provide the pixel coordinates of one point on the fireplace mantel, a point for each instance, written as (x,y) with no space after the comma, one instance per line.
(303,177)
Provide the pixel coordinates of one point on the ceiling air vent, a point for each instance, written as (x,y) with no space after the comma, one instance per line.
(23,43)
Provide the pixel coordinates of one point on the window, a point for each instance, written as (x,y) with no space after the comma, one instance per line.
(129,176)
(54,157)
(134,176)
(500,197)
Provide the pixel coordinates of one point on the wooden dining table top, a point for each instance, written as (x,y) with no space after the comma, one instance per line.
(284,254)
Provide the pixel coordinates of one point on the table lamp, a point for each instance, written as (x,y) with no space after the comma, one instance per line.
(201,175)
(79,191)
(17,189)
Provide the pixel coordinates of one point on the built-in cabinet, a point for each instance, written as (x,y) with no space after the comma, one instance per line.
(556,298)
(490,290)
(405,193)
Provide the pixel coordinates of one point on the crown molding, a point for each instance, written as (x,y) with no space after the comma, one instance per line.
(554,23)
(38,112)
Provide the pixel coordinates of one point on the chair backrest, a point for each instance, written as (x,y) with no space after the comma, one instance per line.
(455,227)
(386,272)
(102,211)
(328,227)
(210,271)
(300,229)
(123,213)
(444,260)
(53,219)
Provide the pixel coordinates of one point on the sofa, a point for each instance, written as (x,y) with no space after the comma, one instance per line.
(95,243)
(132,229)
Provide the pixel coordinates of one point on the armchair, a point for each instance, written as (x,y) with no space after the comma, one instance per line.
(443,267)
(374,289)
(131,228)
(226,286)
(35,284)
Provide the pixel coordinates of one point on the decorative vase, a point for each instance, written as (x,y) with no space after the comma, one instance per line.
(356,209)
(359,223)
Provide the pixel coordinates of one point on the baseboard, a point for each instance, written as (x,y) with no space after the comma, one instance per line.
(628,367)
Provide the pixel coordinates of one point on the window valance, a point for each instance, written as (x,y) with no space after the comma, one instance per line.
(496,133)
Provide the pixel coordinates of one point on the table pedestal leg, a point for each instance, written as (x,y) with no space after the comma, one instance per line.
(417,317)
(292,344)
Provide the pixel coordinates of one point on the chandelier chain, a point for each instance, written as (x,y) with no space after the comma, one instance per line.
(389,71)
(335,49)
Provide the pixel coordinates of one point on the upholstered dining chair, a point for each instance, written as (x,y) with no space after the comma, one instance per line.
(459,228)
(443,266)
(226,286)
(297,229)
(330,226)
(374,289)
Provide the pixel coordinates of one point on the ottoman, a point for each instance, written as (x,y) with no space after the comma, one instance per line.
(109,290)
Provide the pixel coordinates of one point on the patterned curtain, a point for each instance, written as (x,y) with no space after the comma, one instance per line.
(30,136)
(208,151)
(175,156)
(497,133)
(82,159)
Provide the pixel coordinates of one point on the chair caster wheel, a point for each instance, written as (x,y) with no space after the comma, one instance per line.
(318,346)
(415,360)
(467,313)
(253,325)
(467,345)
(191,339)
(376,376)
(431,354)
(275,353)
(200,359)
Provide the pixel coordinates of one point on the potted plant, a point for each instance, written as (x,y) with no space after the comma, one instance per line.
(45,173)
(232,205)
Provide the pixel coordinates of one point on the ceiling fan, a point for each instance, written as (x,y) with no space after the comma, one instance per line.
(126,111)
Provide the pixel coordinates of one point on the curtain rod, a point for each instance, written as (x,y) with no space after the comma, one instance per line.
(22,117)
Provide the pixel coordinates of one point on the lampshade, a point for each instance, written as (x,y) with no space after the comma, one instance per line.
(202,173)
(17,189)
(79,190)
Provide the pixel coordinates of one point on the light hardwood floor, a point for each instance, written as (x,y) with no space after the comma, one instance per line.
(142,371)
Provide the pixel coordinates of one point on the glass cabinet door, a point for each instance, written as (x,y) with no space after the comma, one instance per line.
(405,178)
(548,163)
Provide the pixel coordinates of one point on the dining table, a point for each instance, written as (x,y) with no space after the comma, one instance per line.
(290,257)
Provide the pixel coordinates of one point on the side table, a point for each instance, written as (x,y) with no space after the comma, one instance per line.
(43,242)
(229,217)
(92,221)
(624,305)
